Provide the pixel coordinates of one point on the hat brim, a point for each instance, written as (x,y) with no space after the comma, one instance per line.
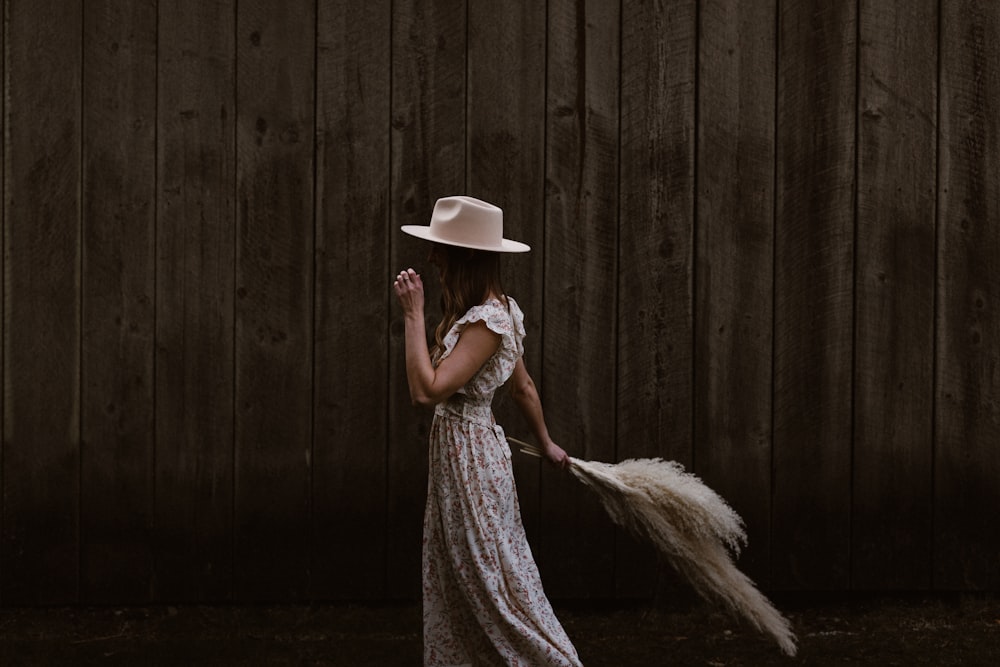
(424,232)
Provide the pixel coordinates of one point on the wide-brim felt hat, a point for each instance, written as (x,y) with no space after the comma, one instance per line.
(466,222)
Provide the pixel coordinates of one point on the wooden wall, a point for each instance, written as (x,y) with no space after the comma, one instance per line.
(766,245)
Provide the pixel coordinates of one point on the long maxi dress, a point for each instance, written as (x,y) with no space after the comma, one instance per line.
(483,602)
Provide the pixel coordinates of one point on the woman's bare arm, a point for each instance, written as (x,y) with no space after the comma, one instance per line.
(525,395)
(429,385)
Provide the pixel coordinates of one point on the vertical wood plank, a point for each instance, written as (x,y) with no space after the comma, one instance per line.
(194,300)
(967,458)
(274,298)
(813,295)
(734,315)
(581,247)
(654,398)
(428,162)
(3,279)
(506,146)
(352,300)
(40,545)
(119,125)
(894,301)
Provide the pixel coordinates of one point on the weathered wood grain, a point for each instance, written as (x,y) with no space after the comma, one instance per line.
(580,298)
(813,304)
(428,162)
(732,208)
(655,263)
(735,256)
(41,454)
(274,298)
(894,298)
(117,410)
(967,424)
(195,242)
(3,293)
(506,163)
(352,301)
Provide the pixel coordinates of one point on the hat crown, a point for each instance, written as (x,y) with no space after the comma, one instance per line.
(467,221)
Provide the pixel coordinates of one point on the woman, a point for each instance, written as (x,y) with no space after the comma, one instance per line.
(483,599)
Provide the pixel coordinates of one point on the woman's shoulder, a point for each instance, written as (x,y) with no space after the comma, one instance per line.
(501,315)
(486,309)
(500,309)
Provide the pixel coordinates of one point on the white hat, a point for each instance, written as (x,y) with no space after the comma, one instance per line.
(466,222)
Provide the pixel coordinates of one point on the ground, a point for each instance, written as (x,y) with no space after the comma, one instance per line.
(901,630)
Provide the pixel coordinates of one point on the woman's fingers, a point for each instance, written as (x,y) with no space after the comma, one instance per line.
(408,276)
(411,278)
(409,289)
(558,456)
(405,279)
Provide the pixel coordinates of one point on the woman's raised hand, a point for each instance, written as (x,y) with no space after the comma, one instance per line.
(409,291)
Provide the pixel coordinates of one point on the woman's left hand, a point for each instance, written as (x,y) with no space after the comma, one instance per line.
(409,291)
(556,455)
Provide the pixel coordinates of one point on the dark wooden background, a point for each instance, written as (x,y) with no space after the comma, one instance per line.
(766,244)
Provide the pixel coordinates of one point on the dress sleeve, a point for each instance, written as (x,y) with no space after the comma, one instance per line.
(508,323)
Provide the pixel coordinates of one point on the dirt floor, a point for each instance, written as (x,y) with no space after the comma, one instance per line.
(859,631)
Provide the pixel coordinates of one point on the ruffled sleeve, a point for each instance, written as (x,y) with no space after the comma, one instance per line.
(507,320)
(508,323)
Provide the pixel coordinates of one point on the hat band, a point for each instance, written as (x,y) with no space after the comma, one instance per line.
(489,235)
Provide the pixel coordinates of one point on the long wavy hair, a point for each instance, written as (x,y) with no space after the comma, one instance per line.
(467,277)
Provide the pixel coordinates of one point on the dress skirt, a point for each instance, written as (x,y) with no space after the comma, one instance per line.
(483,602)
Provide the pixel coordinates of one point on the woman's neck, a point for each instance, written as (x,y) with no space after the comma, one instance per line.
(493,296)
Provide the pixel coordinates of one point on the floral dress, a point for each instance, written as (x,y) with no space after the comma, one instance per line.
(483,602)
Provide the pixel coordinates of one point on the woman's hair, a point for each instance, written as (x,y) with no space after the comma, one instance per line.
(467,277)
